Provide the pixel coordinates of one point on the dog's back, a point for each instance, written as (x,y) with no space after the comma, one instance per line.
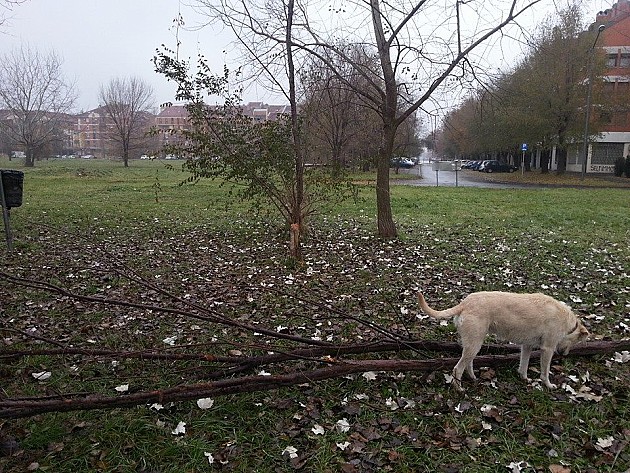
(531,320)
(519,318)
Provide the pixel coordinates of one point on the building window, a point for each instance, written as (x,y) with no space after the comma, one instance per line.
(611,60)
(622,87)
(624,60)
(606,153)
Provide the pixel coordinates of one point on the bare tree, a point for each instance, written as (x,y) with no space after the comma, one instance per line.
(336,121)
(420,45)
(36,96)
(7,6)
(127,103)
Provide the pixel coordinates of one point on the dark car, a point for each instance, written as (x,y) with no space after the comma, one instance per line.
(498,166)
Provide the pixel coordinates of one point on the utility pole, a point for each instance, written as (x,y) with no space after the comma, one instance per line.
(589,93)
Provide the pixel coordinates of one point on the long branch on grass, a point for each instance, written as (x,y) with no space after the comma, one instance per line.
(16,408)
(319,361)
(213,316)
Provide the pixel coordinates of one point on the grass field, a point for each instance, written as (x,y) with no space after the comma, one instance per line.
(135,234)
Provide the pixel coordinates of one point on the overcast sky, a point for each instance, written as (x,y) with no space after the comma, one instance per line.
(103,39)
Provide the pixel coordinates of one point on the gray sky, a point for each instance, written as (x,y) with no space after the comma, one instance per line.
(103,39)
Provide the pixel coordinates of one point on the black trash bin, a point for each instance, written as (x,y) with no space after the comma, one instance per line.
(13,184)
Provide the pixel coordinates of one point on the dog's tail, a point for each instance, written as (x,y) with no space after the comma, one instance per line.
(437,314)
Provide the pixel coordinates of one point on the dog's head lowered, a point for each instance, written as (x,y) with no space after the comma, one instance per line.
(575,336)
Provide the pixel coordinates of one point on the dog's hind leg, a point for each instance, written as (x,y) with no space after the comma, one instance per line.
(469,351)
(526,352)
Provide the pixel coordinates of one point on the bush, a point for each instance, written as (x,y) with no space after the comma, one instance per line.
(620,163)
(627,166)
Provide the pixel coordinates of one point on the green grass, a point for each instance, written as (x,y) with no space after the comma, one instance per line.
(81,220)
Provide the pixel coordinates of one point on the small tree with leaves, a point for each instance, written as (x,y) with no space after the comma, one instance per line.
(258,159)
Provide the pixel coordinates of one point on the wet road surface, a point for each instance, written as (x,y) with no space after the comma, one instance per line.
(465,178)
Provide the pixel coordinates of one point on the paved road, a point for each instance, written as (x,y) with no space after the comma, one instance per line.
(428,177)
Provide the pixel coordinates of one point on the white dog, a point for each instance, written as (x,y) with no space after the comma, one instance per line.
(531,320)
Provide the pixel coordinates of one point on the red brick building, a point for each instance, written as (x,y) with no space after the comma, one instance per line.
(174,118)
(614,40)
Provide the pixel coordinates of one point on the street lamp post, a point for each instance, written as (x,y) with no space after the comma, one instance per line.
(589,93)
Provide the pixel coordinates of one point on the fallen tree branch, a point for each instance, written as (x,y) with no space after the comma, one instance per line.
(213,316)
(17,408)
(316,360)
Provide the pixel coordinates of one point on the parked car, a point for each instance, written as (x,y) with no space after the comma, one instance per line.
(497,166)
(401,162)
(474,165)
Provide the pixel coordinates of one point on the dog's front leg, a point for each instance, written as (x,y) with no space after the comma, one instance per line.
(545,364)
(526,352)
(457,381)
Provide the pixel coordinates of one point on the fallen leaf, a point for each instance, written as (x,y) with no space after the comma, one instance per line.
(517,467)
(42,376)
(318,430)
(369,375)
(205,403)
(463,406)
(170,340)
(342,425)
(622,357)
(180,429)
(605,442)
(290,451)
(343,446)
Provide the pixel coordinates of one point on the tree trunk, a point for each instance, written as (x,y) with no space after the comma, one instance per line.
(385,219)
(339,368)
(29,160)
(386,225)
(561,155)
(294,242)
(527,161)
(544,161)
(297,226)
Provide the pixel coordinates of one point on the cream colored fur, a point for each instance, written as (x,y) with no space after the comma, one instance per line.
(531,320)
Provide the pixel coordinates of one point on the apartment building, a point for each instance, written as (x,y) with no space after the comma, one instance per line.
(614,42)
(94,131)
(169,122)
(261,112)
(91,135)
(174,118)
(62,136)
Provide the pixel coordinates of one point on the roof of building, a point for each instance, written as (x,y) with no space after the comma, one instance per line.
(173,111)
